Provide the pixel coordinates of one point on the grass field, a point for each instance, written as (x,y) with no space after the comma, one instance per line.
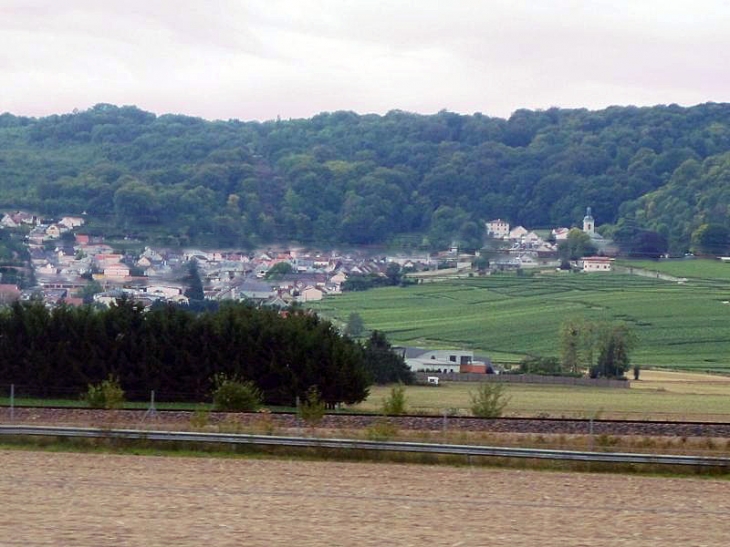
(697,269)
(506,316)
(658,395)
(130,405)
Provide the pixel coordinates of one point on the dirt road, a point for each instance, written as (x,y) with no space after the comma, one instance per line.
(93,500)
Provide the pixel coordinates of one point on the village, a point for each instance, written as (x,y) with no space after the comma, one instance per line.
(75,268)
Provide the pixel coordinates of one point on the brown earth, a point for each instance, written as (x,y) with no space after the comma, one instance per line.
(94,500)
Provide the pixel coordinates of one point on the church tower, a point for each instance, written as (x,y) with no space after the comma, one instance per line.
(588,224)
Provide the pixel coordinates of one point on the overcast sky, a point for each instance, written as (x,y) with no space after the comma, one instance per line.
(251,59)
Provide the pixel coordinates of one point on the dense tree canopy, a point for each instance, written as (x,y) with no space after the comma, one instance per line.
(577,245)
(711,239)
(346,178)
(177,353)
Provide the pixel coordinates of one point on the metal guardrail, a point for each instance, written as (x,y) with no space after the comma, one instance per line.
(353,444)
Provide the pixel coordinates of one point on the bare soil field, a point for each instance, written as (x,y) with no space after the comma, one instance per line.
(97,500)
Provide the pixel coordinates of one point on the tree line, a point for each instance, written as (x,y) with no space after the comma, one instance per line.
(364,179)
(599,348)
(178,353)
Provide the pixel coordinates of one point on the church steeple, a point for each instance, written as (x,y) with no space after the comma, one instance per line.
(589,224)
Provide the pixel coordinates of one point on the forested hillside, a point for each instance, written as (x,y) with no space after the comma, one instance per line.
(364,179)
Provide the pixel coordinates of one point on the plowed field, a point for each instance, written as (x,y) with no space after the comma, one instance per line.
(93,500)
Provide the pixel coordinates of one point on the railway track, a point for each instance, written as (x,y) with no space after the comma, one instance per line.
(177,418)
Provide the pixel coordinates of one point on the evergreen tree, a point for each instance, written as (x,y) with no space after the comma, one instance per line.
(383,364)
(194,283)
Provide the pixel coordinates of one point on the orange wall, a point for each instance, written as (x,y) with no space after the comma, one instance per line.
(479,369)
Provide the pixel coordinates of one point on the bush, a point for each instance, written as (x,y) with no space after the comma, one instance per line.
(489,401)
(200,418)
(265,422)
(381,430)
(107,394)
(541,365)
(311,411)
(235,395)
(395,404)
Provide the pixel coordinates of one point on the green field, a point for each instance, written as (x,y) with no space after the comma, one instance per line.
(693,269)
(507,316)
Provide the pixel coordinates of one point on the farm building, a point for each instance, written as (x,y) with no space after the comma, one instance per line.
(443,360)
(597,264)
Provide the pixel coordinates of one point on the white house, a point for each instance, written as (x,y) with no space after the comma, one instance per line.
(53,231)
(498,228)
(517,233)
(597,264)
(338,279)
(532,238)
(47,269)
(179,299)
(526,260)
(311,294)
(71,222)
(164,291)
(116,271)
(561,234)
(8,221)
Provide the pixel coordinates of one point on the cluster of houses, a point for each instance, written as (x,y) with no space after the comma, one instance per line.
(41,230)
(65,261)
(526,249)
(160,275)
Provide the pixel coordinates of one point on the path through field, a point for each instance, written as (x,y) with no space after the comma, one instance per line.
(70,500)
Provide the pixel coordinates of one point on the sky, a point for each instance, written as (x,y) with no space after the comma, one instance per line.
(263,59)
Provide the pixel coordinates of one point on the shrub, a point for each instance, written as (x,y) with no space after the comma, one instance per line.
(200,418)
(265,422)
(489,401)
(231,394)
(540,365)
(311,410)
(106,394)
(381,430)
(396,403)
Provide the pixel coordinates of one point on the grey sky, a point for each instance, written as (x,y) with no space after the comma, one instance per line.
(256,59)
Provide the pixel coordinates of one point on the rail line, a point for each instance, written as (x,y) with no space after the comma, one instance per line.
(350,444)
(373,414)
(577,426)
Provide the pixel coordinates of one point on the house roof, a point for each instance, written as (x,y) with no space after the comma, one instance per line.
(8,288)
(252,285)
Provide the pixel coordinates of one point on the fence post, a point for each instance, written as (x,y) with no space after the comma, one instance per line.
(591,434)
(151,411)
(12,402)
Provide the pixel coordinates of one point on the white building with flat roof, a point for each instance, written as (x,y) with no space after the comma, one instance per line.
(597,264)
